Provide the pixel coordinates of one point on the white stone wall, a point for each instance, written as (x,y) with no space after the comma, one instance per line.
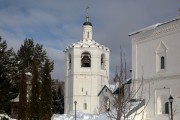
(158,84)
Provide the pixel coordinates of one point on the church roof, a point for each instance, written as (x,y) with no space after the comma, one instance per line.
(152,26)
(87,23)
(86,44)
(107,87)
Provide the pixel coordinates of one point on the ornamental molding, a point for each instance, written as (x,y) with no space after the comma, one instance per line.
(86,44)
(157,32)
(161,78)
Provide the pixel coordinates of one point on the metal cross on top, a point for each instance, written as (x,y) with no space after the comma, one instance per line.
(87,10)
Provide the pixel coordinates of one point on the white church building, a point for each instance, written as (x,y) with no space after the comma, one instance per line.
(87,71)
(156,59)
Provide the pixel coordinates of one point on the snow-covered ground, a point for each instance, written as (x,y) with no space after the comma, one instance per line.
(4,115)
(79,116)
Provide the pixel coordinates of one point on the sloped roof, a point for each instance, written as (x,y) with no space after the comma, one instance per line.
(105,86)
(152,26)
(85,44)
(15,99)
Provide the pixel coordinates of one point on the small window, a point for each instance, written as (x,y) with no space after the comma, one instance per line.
(166,108)
(82,89)
(161,58)
(88,35)
(69,64)
(85,106)
(86,93)
(85,59)
(162,62)
(102,61)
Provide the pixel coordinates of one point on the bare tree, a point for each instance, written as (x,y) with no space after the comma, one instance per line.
(124,103)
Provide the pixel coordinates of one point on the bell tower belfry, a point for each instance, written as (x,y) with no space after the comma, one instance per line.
(87,71)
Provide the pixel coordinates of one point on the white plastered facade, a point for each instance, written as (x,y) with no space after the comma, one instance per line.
(84,81)
(156,57)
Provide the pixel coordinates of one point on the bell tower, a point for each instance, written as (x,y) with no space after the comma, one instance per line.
(87,71)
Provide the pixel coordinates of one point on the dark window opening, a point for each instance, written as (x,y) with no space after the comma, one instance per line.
(85,60)
(88,35)
(102,61)
(69,58)
(162,62)
(85,106)
(166,108)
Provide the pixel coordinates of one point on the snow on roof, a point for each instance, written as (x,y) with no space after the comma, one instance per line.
(15,99)
(145,29)
(28,73)
(82,43)
(127,80)
(6,116)
(111,87)
(152,26)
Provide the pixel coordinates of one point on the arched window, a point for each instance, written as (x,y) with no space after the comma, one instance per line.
(102,61)
(162,62)
(161,57)
(69,59)
(85,59)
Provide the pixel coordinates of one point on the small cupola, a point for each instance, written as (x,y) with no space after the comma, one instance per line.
(87,21)
(87,30)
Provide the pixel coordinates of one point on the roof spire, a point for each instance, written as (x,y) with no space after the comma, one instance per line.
(116,78)
(87,17)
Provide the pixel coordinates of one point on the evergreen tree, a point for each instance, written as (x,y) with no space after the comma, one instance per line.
(22,97)
(46,94)
(32,57)
(58,99)
(29,52)
(8,76)
(34,105)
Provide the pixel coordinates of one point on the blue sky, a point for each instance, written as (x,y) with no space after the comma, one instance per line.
(57,23)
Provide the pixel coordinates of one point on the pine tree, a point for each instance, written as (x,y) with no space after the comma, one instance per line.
(46,93)
(35,98)
(29,52)
(58,99)
(8,76)
(22,97)
(32,57)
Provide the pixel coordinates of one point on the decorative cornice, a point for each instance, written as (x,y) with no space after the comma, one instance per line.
(86,44)
(159,31)
(161,78)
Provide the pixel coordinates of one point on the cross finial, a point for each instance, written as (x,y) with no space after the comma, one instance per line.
(87,10)
(87,17)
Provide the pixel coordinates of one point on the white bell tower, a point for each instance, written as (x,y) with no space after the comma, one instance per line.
(87,71)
